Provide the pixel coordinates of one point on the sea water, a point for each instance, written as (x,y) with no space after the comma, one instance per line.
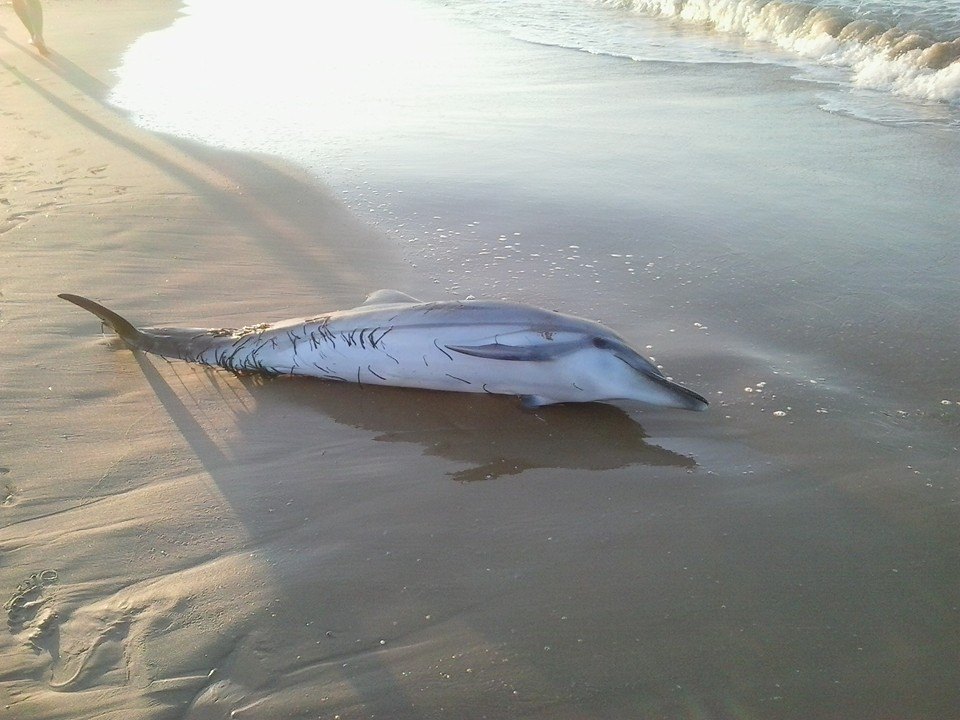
(760,195)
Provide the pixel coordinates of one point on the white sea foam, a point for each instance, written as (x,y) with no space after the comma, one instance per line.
(883,46)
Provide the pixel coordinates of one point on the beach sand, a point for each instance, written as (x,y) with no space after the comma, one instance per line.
(210,546)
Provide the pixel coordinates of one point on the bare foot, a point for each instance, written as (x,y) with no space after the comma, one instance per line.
(40,45)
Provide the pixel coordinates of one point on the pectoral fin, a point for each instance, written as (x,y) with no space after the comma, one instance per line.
(530,353)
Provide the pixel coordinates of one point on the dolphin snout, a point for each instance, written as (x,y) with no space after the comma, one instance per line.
(684,398)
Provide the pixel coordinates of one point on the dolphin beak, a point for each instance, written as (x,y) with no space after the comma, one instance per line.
(685,398)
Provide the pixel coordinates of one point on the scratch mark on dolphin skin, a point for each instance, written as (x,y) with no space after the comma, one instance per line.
(467,382)
(449,357)
(376,373)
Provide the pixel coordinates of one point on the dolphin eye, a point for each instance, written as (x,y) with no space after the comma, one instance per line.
(599,342)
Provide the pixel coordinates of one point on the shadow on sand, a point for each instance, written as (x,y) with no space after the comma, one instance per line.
(493,436)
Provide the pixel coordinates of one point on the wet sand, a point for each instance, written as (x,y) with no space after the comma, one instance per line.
(225,546)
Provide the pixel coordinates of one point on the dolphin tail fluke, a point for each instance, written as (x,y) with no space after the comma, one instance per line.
(191,344)
(128,333)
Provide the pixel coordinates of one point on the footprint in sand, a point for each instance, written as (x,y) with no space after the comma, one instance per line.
(8,493)
(30,616)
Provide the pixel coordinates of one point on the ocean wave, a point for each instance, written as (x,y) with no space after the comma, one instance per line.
(912,61)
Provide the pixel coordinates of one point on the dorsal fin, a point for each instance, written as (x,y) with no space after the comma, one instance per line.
(389,297)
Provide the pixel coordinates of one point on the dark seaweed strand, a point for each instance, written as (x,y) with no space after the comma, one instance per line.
(449,356)
(327,335)
(237,349)
(379,344)
(242,337)
(222,357)
(372,371)
(326,372)
(347,338)
(358,379)
(484,386)
(293,340)
(253,363)
(458,378)
(379,340)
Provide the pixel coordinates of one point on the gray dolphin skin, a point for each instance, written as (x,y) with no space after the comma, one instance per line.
(478,346)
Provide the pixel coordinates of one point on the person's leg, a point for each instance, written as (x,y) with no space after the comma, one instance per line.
(30,13)
(36,10)
(23,12)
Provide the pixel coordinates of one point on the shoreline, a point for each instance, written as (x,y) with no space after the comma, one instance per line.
(110,165)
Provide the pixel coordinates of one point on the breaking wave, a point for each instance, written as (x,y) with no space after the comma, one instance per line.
(913,52)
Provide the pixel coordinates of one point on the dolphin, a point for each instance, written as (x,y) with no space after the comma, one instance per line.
(478,346)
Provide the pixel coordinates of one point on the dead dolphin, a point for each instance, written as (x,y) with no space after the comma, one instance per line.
(492,347)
